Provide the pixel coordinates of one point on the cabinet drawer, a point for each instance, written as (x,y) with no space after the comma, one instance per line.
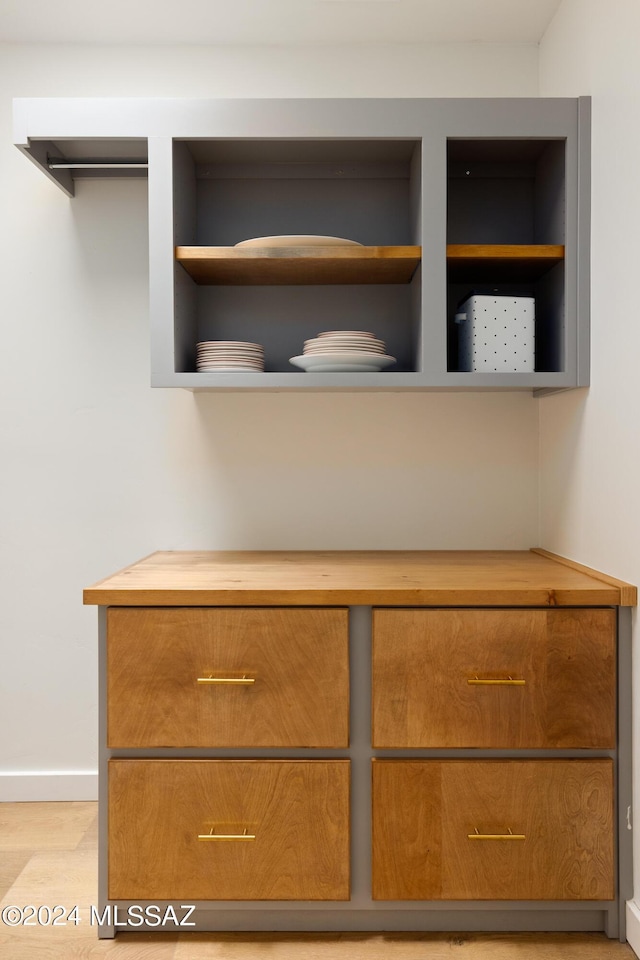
(435,673)
(227,677)
(297,811)
(493,830)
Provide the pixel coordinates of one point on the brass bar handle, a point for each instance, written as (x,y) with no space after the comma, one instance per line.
(230,680)
(226,836)
(502,682)
(496,836)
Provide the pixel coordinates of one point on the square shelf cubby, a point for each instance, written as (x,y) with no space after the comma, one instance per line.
(227,192)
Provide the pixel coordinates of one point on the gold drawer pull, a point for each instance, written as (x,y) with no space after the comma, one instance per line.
(241,680)
(504,682)
(226,836)
(495,836)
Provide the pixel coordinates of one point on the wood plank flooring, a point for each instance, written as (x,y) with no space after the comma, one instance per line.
(48,855)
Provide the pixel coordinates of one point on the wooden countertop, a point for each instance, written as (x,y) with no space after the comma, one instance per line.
(373,578)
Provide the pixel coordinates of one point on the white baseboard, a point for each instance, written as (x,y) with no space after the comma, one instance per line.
(48,785)
(633,926)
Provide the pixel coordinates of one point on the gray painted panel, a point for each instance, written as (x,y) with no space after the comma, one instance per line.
(624,766)
(490,210)
(184,200)
(415,195)
(105,931)
(415,313)
(550,200)
(185,212)
(571,258)
(183,354)
(583,251)
(109,174)
(365,381)
(307,152)
(307,753)
(510,118)
(374,212)
(551,337)
(37,151)
(433,361)
(71,117)
(313,169)
(161,259)
(448,917)
(360,751)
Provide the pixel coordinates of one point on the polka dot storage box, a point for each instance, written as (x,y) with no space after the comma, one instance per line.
(496,334)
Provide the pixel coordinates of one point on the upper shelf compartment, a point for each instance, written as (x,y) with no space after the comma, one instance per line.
(299,265)
(366,191)
(232,190)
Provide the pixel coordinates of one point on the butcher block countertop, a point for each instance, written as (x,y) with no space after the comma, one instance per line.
(372,578)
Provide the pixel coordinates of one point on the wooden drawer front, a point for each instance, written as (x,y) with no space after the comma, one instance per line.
(425,811)
(297,658)
(423,661)
(297,810)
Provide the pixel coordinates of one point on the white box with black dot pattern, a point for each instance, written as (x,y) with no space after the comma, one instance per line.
(496,333)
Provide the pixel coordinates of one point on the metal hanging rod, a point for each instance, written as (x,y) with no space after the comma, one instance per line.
(60,163)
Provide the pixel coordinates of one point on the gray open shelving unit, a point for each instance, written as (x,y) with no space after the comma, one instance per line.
(447,197)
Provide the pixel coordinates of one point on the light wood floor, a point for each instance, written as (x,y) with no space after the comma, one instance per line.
(48,855)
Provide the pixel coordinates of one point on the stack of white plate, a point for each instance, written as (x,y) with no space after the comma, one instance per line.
(229,356)
(342,351)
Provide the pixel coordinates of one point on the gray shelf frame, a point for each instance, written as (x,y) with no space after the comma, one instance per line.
(81,127)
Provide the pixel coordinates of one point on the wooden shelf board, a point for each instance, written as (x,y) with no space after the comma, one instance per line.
(469,262)
(505,251)
(299,265)
(379,578)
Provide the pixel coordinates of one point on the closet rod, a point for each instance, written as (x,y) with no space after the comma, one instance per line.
(97,164)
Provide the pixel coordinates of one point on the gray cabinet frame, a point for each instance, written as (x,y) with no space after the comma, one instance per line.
(113,136)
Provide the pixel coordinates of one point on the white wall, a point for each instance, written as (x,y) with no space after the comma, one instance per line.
(99,470)
(589,440)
